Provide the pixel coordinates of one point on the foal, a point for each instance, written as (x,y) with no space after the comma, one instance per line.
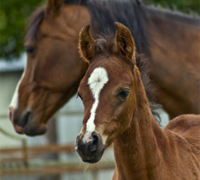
(117,111)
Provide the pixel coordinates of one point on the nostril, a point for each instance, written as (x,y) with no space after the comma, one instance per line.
(87,144)
(22,121)
(94,144)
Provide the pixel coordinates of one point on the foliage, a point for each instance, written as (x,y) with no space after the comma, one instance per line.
(13,19)
(186,6)
(14,16)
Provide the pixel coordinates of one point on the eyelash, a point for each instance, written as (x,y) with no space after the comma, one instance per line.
(78,95)
(123,94)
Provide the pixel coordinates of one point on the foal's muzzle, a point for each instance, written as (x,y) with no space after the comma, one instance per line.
(90,147)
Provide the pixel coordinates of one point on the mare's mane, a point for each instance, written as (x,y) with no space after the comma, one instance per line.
(76,2)
(130,13)
(107,46)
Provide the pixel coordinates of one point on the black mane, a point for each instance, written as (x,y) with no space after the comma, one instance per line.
(130,13)
(144,66)
(76,2)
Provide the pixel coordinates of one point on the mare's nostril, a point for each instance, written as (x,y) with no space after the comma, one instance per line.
(22,121)
(25,118)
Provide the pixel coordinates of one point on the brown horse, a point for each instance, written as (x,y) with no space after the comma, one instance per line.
(117,111)
(54,69)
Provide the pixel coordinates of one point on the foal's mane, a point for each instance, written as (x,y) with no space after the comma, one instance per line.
(107,46)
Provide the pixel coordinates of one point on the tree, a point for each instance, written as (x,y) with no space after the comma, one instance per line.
(13,19)
(186,6)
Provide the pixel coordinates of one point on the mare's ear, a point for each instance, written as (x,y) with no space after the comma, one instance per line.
(125,42)
(54,5)
(86,44)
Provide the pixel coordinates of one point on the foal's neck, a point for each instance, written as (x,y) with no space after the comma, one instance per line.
(136,151)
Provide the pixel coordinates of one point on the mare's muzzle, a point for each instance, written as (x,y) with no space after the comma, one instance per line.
(24,123)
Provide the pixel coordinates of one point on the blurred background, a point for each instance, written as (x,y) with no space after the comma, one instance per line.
(52,155)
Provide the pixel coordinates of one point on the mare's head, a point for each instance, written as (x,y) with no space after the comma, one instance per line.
(107,90)
(54,68)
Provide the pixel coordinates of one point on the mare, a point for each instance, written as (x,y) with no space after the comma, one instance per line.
(54,68)
(117,111)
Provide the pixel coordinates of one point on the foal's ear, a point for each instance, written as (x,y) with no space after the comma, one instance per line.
(125,42)
(86,44)
(54,5)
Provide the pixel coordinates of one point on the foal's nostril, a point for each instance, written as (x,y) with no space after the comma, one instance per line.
(94,143)
(89,143)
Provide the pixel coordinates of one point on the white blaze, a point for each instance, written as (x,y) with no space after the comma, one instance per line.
(96,81)
(14,100)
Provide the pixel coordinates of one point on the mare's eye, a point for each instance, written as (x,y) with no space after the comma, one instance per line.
(29,50)
(123,94)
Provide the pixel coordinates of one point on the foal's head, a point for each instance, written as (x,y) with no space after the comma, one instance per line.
(107,90)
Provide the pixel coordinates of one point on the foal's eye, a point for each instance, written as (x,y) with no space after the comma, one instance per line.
(78,95)
(123,94)
(29,50)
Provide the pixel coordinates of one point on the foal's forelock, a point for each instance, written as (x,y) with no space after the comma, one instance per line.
(97,80)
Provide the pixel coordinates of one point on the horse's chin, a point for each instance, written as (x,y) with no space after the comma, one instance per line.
(18,129)
(91,158)
(34,130)
(94,160)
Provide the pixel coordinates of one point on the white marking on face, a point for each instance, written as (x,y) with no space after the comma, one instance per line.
(14,101)
(87,137)
(96,81)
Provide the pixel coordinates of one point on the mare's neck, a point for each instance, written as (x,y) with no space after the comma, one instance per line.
(174,30)
(136,150)
(170,25)
(174,46)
